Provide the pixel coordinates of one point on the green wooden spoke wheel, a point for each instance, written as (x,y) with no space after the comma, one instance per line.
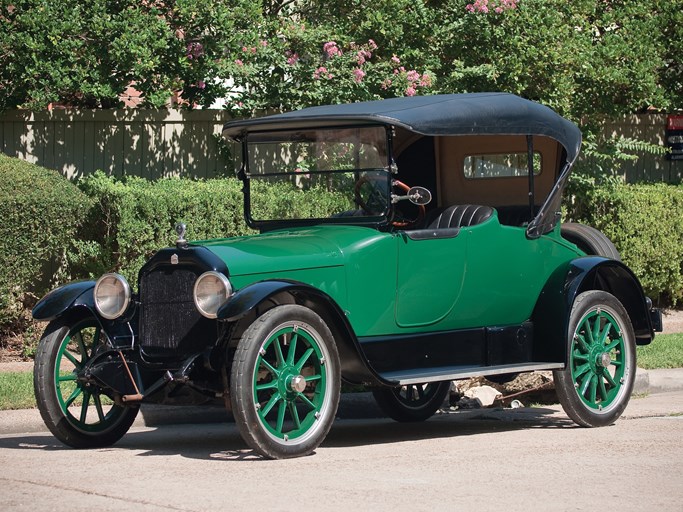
(596,385)
(285,382)
(413,402)
(77,412)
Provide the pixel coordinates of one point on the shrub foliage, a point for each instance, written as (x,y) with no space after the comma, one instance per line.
(41,213)
(644,222)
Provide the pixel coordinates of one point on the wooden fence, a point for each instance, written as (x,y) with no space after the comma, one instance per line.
(153,144)
(648,167)
(148,143)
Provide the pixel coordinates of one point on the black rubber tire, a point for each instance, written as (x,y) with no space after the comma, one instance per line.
(613,382)
(256,391)
(413,402)
(113,420)
(589,240)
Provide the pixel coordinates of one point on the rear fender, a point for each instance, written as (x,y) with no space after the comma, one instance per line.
(554,305)
(261,296)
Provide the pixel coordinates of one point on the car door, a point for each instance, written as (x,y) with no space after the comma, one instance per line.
(430,274)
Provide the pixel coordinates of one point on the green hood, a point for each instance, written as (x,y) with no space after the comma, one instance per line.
(292,249)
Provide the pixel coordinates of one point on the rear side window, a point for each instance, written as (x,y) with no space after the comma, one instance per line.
(500,165)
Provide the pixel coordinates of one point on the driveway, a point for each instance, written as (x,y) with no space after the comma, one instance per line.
(522,459)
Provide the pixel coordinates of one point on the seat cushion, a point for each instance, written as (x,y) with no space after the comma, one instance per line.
(462,215)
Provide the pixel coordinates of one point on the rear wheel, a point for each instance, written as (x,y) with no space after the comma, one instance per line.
(78,413)
(412,402)
(285,382)
(596,385)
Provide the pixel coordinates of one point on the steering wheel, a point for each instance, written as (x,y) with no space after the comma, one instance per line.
(376,202)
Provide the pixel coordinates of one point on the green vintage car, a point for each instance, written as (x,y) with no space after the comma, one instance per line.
(413,241)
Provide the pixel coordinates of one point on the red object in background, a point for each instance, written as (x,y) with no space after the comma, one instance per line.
(674,122)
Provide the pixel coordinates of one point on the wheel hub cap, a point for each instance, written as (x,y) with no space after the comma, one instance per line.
(298,383)
(603,360)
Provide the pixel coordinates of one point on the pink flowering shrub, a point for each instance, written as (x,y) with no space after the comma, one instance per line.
(299,68)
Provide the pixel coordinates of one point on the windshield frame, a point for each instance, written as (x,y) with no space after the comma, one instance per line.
(378,221)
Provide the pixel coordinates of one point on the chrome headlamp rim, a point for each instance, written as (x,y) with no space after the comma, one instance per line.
(222,297)
(109,315)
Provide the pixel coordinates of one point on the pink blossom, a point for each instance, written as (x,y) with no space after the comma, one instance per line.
(386,83)
(239,62)
(361,56)
(292,57)
(194,50)
(321,71)
(358,75)
(201,84)
(331,49)
(395,59)
(372,45)
(484,6)
(426,81)
(264,43)
(413,76)
(245,49)
(410,91)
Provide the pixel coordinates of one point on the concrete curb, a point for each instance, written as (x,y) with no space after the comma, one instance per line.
(658,381)
(351,406)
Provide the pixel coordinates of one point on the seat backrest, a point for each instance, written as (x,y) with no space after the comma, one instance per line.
(462,215)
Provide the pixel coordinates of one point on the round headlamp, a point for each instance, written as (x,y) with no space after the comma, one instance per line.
(211,291)
(112,295)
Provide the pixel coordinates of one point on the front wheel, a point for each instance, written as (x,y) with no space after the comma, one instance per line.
(285,382)
(412,402)
(596,385)
(77,412)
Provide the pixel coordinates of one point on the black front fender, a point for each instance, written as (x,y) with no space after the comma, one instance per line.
(78,294)
(554,305)
(246,299)
(355,367)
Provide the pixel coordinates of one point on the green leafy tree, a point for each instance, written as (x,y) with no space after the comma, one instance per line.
(86,52)
(588,59)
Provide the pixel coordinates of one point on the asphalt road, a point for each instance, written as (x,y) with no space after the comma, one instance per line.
(523,459)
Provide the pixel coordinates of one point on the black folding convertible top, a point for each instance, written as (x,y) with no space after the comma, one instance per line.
(448,114)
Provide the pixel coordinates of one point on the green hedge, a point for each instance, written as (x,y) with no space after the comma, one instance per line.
(645,222)
(133,218)
(40,213)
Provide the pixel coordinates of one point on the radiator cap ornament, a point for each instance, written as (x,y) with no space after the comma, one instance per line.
(180,229)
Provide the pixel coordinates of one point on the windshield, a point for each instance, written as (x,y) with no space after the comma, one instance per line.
(318,174)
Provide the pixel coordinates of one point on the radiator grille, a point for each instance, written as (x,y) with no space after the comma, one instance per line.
(169,320)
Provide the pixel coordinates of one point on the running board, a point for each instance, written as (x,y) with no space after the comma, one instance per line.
(422,375)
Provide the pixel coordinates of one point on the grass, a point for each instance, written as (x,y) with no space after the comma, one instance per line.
(16,388)
(666,351)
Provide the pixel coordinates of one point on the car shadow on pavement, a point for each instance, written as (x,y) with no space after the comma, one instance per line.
(222,442)
(446,424)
